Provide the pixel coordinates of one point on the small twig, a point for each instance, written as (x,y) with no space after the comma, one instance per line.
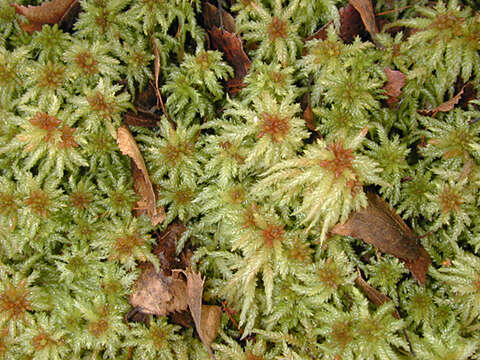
(157,74)
(394,10)
(228,311)
(409,343)
(220,10)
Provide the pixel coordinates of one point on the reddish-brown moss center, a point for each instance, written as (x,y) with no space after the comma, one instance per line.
(86,62)
(328,275)
(97,328)
(97,103)
(67,140)
(124,245)
(80,199)
(342,159)
(52,76)
(277,29)
(237,195)
(39,202)
(272,233)
(14,302)
(341,334)
(42,340)
(8,204)
(450,200)
(183,196)
(274,126)
(46,122)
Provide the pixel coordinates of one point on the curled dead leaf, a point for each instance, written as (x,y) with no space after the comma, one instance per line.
(210,322)
(446,106)
(373,294)
(194,300)
(231,45)
(365,9)
(143,119)
(394,85)
(157,294)
(142,184)
(379,225)
(166,248)
(350,23)
(211,17)
(50,12)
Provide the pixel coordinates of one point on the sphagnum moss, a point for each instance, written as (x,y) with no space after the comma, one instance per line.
(257,195)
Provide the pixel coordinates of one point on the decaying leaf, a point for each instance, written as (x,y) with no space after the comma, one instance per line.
(365,9)
(194,300)
(306,105)
(166,248)
(394,85)
(157,294)
(446,106)
(378,299)
(231,45)
(142,183)
(50,12)
(373,294)
(419,267)
(469,94)
(350,23)
(210,322)
(146,101)
(143,119)
(223,38)
(308,117)
(211,17)
(379,225)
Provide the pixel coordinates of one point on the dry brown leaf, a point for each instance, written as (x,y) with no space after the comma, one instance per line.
(350,23)
(378,299)
(308,117)
(234,85)
(143,185)
(394,85)
(166,247)
(419,266)
(469,94)
(231,45)
(156,67)
(146,100)
(446,106)
(157,294)
(379,225)
(50,12)
(373,294)
(194,297)
(143,119)
(194,300)
(211,18)
(210,322)
(365,9)
(70,17)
